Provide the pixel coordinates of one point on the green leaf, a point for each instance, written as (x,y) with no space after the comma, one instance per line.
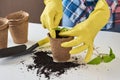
(106,58)
(61,29)
(95,61)
(64,29)
(58,28)
(112,55)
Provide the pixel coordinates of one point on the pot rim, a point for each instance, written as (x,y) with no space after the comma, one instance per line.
(58,38)
(25,15)
(4,23)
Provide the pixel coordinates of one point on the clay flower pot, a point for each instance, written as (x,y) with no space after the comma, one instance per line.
(3,32)
(18,25)
(60,54)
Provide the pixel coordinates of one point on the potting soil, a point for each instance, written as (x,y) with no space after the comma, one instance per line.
(46,66)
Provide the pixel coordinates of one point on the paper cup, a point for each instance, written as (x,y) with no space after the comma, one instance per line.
(60,54)
(18,25)
(3,32)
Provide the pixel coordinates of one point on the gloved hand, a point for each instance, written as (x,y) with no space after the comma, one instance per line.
(51,15)
(86,31)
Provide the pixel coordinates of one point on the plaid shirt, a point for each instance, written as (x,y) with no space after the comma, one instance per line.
(79,10)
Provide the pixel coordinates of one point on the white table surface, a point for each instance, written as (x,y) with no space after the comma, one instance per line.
(10,69)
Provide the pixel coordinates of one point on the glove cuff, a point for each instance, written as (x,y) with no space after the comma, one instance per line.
(46,1)
(54,1)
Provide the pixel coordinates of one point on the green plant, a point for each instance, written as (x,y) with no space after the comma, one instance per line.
(103,58)
(60,29)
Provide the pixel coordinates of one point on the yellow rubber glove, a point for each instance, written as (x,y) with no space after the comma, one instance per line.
(86,31)
(52,15)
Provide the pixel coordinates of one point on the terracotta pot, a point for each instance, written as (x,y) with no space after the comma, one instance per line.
(18,25)
(3,32)
(60,54)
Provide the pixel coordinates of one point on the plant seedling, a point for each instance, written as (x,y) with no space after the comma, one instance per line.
(103,58)
(58,30)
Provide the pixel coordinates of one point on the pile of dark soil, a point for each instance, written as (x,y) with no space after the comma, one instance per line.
(46,66)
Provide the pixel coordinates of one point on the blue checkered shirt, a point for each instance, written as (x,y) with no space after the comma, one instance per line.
(79,10)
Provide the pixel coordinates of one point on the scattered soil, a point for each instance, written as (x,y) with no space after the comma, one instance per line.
(46,66)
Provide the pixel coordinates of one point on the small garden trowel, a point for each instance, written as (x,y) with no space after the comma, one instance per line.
(21,49)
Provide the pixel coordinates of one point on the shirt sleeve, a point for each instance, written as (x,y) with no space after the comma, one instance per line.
(112,4)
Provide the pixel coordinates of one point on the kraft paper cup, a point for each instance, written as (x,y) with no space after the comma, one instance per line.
(60,54)
(3,32)
(18,25)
